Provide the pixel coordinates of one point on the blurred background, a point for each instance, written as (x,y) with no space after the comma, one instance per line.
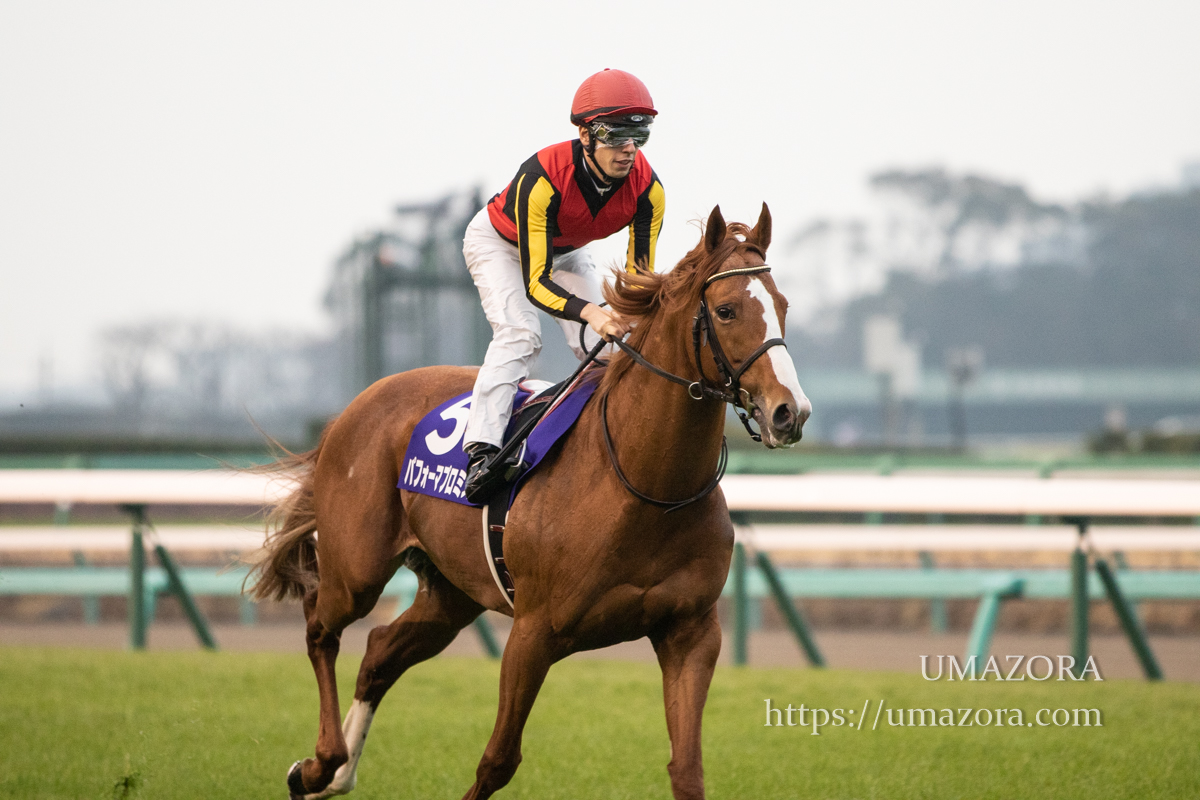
(221,218)
(987,219)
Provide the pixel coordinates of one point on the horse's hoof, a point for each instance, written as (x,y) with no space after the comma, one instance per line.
(295,782)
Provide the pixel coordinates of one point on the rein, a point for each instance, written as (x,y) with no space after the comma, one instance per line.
(669,505)
(703,332)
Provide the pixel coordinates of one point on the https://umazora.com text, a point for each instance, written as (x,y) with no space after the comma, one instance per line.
(877,714)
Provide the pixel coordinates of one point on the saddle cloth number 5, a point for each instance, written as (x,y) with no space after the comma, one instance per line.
(459,412)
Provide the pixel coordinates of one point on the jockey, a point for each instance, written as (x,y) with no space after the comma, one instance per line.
(527,250)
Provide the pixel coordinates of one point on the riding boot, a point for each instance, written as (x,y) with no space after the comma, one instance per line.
(484,476)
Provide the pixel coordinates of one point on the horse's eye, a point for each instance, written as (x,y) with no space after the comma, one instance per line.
(726,313)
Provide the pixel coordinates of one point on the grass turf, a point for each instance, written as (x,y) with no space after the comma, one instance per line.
(87,724)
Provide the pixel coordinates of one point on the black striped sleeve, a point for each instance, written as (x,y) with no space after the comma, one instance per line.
(647,222)
(536,209)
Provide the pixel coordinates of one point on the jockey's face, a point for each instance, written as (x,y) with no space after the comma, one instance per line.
(616,162)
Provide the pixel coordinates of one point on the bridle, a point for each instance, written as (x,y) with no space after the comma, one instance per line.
(704,332)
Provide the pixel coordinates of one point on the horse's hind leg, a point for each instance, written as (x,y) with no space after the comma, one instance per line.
(687,653)
(327,614)
(439,611)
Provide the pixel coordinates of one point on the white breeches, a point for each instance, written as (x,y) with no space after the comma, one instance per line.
(495,266)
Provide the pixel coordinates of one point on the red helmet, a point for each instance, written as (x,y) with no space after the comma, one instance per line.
(610,92)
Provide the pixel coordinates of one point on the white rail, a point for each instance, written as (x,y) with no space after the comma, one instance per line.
(113,486)
(954,495)
(102,538)
(744,493)
(844,493)
(854,537)
(941,538)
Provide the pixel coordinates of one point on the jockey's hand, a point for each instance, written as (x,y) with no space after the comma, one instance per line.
(608,324)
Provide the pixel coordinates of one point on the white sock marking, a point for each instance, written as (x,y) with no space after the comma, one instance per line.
(354,730)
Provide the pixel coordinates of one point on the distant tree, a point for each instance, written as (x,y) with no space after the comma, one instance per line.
(203,368)
(201,352)
(125,354)
(1134,303)
(1145,285)
(954,204)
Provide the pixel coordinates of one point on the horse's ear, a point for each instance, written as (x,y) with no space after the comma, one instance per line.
(714,231)
(761,234)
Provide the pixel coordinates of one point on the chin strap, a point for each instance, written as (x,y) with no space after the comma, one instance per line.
(590,149)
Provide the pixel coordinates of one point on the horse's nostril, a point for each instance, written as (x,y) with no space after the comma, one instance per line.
(783,418)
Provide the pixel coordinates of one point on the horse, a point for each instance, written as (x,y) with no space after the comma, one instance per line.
(601,547)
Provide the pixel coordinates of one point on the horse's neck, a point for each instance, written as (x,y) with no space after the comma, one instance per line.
(667,443)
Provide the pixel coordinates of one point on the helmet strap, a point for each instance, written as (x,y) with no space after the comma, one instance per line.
(590,149)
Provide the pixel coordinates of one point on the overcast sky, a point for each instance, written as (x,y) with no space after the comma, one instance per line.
(209,160)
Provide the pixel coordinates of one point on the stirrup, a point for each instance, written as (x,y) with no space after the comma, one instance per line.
(487,478)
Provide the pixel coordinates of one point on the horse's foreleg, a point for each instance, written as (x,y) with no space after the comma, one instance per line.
(687,652)
(439,611)
(527,659)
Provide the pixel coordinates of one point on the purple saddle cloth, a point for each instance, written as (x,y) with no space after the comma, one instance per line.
(435,464)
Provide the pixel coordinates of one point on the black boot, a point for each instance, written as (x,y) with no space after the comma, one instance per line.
(484,476)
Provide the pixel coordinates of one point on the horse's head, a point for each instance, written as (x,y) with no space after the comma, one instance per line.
(746,318)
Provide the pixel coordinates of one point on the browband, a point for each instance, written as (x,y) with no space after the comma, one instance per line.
(729,273)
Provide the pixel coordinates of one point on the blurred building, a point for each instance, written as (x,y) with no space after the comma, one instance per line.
(401,296)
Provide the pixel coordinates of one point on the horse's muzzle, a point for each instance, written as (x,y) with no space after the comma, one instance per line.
(785,425)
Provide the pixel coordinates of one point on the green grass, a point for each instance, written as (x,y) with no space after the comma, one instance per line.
(77,724)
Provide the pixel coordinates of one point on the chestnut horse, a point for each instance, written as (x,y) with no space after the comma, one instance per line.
(592,563)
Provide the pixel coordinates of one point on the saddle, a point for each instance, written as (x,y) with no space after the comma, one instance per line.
(435,464)
(518,426)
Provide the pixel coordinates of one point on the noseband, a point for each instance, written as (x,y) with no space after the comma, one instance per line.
(704,332)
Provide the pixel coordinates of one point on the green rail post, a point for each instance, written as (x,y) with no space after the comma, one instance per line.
(91,603)
(741,605)
(937,606)
(137,581)
(792,614)
(487,637)
(1129,621)
(979,642)
(177,588)
(1123,566)
(1079,599)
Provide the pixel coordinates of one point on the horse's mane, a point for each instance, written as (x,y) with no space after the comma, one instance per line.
(646,296)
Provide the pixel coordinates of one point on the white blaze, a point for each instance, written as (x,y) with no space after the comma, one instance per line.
(785,370)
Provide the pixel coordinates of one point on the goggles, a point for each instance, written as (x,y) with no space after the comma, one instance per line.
(619,132)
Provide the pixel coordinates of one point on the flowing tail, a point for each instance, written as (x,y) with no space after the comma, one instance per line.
(286,566)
